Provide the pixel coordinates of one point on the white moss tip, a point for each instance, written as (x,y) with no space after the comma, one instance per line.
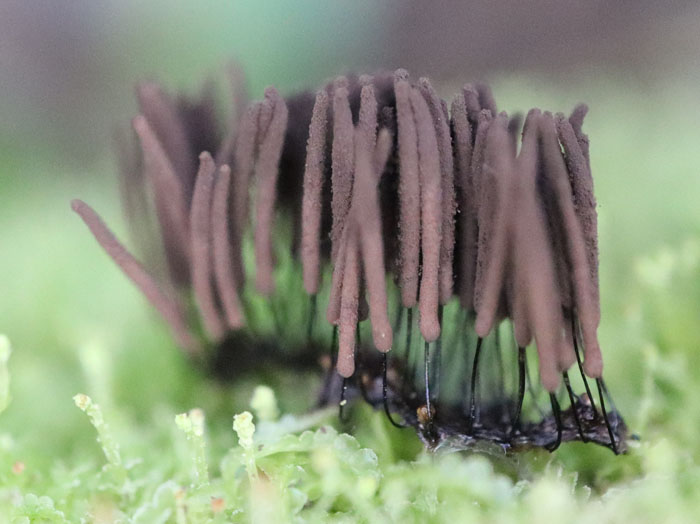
(264,403)
(82,401)
(245,429)
(197,420)
(183,422)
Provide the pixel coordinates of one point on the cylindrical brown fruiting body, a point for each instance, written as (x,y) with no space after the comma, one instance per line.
(170,201)
(583,195)
(444,141)
(533,253)
(200,234)
(367,214)
(500,174)
(556,173)
(167,307)
(161,113)
(431,217)
(349,305)
(312,206)
(485,204)
(266,172)
(342,158)
(243,162)
(466,203)
(226,284)
(409,192)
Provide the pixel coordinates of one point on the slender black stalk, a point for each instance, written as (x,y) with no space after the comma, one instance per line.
(312,318)
(428,405)
(613,444)
(572,401)
(399,316)
(522,363)
(475,376)
(334,347)
(499,363)
(580,366)
(556,410)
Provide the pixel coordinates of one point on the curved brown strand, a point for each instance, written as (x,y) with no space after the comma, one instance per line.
(312,205)
(431,217)
(132,268)
(226,284)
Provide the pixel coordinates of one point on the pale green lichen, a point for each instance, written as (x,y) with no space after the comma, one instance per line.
(110,448)
(245,429)
(264,404)
(192,424)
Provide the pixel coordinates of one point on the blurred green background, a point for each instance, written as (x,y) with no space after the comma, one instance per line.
(67,71)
